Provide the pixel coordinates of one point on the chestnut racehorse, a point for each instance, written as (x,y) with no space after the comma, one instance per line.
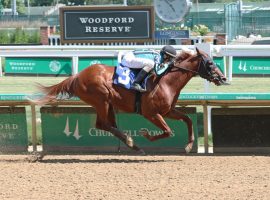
(94,85)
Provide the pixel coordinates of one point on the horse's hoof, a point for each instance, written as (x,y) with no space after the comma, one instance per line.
(129,141)
(145,133)
(35,157)
(188,148)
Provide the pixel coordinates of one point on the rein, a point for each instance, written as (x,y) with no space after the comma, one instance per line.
(189,70)
(185,69)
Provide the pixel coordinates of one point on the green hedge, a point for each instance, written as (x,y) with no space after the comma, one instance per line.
(19,36)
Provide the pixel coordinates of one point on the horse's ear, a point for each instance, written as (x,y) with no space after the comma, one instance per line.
(198,51)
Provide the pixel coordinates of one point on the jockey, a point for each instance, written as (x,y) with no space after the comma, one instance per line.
(166,56)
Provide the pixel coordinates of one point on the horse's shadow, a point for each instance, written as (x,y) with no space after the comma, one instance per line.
(102,161)
(120,160)
(145,159)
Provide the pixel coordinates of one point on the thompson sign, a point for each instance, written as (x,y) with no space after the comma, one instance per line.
(107,24)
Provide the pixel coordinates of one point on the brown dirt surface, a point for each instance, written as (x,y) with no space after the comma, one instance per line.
(117,177)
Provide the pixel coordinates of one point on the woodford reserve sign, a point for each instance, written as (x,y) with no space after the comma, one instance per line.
(107,24)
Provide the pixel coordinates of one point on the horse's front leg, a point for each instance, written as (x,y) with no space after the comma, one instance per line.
(160,123)
(175,114)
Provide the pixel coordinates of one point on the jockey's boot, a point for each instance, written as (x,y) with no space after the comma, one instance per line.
(139,78)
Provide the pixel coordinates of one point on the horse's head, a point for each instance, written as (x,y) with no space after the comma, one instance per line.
(208,70)
(201,64)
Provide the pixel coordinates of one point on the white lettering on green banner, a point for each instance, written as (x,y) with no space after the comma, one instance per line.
(54,66)
(251,65)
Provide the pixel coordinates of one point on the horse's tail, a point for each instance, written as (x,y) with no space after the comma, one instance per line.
(60,91)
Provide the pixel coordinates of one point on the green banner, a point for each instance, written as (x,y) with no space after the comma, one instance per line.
(63,66)
(48,66)
(86,62)
(224,96)
(73,129)
(251,65)
(13,129)
(183,96)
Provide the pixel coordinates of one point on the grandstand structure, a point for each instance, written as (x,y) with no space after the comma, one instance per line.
(231,19)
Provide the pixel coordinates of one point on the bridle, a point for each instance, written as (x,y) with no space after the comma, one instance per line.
(204,69)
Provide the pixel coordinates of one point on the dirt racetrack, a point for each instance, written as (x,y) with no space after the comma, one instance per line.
(135,177)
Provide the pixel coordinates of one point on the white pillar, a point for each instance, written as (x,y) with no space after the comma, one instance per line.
(230,68)
(75,64)
(225,66)
(1,74)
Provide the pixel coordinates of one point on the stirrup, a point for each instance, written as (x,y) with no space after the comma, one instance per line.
(137,87)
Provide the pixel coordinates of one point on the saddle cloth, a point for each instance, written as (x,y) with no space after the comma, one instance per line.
(124,76)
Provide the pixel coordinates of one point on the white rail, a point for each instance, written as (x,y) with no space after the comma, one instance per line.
(75,51)
(218,50)
(244,50)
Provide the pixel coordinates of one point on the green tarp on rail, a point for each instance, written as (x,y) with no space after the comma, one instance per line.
(183,96)
(63,66)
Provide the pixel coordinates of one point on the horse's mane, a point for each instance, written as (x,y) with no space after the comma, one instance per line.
(184,54)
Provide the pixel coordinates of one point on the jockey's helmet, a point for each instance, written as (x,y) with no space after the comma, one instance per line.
(169,50)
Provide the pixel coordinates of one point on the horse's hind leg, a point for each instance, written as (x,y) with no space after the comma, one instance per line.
(106,121)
